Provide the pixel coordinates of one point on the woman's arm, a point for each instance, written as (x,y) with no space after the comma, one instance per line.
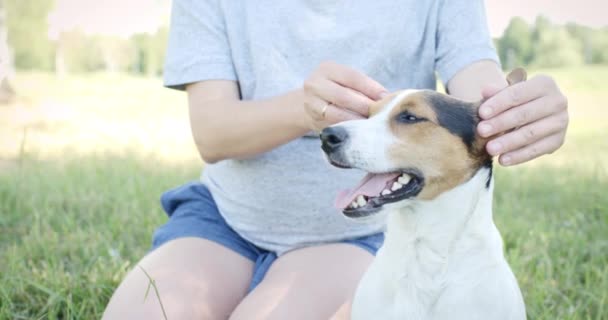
(225,127)
(534,113)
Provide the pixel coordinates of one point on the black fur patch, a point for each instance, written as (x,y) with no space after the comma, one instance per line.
(458,117)
(489,165)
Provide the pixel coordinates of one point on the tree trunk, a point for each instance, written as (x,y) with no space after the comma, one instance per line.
(6,68)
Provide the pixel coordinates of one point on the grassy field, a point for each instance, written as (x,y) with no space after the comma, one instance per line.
(83,161)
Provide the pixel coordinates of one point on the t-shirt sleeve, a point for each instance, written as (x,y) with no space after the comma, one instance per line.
(462,37)
(198,47)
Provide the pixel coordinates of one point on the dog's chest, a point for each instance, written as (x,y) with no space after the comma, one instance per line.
(403,284)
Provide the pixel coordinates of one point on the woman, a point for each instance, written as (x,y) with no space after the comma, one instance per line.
(259,237)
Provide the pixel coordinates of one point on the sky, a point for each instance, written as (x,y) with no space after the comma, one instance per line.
(125,17)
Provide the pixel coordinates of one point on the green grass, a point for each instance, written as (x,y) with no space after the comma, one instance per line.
(79,201)
(70,229)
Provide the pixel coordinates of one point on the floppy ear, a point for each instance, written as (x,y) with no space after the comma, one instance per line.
(516,76)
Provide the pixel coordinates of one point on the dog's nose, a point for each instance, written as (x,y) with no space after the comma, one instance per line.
(333,138)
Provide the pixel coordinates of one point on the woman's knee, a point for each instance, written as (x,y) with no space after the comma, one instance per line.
(312,283)
(195,279)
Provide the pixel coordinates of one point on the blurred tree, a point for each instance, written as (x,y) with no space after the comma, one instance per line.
(150,51)
(554,46)
(599,43)
(28,33)
(6,91)
(515,46)
(583,35)
(78,53)
(118,54)
(81,53)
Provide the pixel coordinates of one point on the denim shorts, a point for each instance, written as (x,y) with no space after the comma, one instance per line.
(193,213)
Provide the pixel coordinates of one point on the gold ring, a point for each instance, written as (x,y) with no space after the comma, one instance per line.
(325,110)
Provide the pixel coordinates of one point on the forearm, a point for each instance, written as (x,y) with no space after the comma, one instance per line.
(468,83)
(226,128)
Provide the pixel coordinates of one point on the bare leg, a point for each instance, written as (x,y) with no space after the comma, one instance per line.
(311,283)
(196,279)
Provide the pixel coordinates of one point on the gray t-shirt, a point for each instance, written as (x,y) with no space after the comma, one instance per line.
(283,199)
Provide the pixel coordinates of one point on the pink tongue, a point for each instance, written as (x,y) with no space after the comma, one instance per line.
(371,186)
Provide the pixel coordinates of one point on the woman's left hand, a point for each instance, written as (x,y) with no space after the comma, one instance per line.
(534,115)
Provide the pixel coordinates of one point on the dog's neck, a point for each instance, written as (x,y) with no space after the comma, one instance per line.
(452,229)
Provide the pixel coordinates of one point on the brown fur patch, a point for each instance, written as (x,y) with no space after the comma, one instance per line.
(441,156)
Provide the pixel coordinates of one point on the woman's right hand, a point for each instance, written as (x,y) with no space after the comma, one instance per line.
(334,93)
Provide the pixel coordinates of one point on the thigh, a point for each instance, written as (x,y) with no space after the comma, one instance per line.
(311,283)
(196,279)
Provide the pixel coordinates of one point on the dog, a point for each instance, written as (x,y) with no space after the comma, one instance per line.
(430,177)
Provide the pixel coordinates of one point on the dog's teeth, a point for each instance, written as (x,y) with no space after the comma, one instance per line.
(404,179)
(361,201)
(354,205)
(385,192)
(396,186)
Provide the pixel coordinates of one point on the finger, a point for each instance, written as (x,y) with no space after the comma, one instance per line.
(527,134)
(343,97)
(518,116)
(515,95)
(489,91)
(535,150)
(355,80)
(335,114)
(314,108)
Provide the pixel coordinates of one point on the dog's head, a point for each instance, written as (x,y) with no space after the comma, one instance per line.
(416,144)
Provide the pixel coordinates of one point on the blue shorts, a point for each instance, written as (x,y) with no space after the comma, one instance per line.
(193,213)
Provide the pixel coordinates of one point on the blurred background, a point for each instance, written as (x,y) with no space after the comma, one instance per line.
(89,139)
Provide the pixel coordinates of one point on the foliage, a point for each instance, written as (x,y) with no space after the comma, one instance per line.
(515,46)
(545,45)
(150,52)
(554,46)
(28,33)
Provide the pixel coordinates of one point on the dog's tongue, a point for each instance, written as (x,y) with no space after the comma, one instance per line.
(371,186)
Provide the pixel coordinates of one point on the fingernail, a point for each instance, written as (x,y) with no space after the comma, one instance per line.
(485,111)
(506,160)
(494,148)
(485,128)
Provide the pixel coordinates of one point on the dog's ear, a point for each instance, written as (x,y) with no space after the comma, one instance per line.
(516,76)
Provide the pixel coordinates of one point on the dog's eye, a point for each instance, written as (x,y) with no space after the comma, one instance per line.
(406,117)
